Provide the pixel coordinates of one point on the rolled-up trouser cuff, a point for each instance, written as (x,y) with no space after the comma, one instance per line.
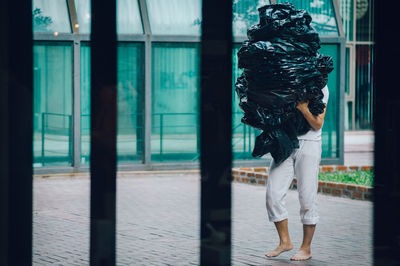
(277,219)
(310,221)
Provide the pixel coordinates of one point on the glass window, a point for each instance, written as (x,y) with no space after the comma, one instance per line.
(243,136)
(330,134)
(347,71)
(130,102)
(84,12)
(322,13)
(175,95)
(347,14)
(52,70)
(129,99)
(364,92)
(50,16)
(128,17)
(180,17)
(364,21)
(245,14)
(85,103)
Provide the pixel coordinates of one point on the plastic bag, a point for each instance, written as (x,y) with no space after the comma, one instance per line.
(281,67)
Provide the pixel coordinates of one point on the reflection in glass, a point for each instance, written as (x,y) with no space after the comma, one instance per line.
(83,11)
(330,133)
(322,13)
(364,94)
(129,101)
(50,16)
(346,12)
(175,95)
(85,103)
(245,14)
(364,23)
(180,17)
(128,17)
(52,72)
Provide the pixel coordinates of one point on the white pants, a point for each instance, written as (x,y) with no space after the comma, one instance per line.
(304,164)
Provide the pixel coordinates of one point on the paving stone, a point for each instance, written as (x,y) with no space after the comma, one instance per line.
(158,224)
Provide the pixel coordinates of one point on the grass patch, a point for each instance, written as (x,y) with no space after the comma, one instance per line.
(365,178)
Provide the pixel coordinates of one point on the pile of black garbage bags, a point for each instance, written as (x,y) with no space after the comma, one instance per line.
(281,67)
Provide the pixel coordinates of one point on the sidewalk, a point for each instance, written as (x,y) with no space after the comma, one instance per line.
(158,224)
(359,148)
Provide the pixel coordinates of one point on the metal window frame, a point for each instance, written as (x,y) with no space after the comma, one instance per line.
(338,17)
(148,38)
(73,18)
(352,45)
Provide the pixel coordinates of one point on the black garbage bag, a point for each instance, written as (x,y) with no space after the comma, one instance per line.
(280,143)
(284,20)
(282,66)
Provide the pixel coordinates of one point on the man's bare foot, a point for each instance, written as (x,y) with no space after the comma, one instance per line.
(302,254)
(279,249)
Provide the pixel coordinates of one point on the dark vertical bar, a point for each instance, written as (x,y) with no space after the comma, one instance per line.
(103,132)
(216,132)
(16,113)
(387,134)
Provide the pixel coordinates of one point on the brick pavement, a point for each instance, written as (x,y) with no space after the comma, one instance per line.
(158,224)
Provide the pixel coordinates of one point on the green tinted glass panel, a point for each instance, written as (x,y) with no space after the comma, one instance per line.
(129,100)
(322,13)
(50,16)
(128,17)
(178,17)
(347,14)
(330,133)
(364,20)
(245,14)
(364,92)
(347,74)
(52,132)
(243,136)
(348,116)
(175,95)
(85,103)
(83,12)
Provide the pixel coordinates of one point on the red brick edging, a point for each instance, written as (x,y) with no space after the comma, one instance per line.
(259,176)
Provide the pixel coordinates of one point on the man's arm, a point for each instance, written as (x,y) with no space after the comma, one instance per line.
(315,122)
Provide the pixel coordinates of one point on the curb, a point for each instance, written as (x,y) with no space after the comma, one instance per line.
(259,176)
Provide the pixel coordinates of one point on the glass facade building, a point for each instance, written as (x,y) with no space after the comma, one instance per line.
(357,18)
(158,82)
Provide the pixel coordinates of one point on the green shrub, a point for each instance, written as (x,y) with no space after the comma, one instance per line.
(365,178)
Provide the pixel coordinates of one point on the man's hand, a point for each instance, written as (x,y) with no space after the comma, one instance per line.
(315,122)
(302,106)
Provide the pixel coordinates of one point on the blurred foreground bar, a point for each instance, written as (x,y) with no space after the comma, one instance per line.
(216,130)
(16,118)
(103,132)
(387,134)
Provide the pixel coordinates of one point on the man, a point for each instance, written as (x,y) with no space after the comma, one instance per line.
(304,164)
